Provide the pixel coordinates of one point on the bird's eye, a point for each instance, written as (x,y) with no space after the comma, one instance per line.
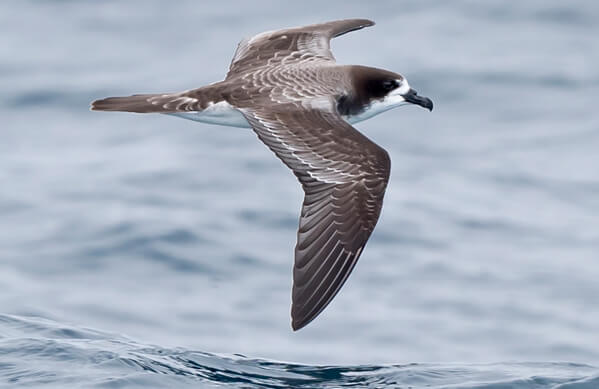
(389,85)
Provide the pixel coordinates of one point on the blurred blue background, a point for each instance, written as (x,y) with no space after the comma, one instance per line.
(121,230)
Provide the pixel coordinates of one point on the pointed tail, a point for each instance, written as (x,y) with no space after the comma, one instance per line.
(135,103)
(192,100)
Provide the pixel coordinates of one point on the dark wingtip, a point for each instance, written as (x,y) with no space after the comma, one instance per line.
(341,27)
(299,320)
(365,22)
(297,325)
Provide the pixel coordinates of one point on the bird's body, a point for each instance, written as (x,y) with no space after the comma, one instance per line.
(288,88)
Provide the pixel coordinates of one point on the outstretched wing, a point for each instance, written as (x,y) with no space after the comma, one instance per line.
(344,176)
(306,43)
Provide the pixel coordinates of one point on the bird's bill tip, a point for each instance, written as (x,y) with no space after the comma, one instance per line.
(412,97)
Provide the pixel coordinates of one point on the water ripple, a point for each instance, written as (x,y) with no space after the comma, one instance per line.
(38,351)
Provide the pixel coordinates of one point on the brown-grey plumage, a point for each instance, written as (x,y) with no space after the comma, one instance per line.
(344,176)
(288,88)
(292,45)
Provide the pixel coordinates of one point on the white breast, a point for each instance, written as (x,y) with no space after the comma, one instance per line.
(221,113)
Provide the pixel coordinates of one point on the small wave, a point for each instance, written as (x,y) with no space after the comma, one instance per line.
(37,352)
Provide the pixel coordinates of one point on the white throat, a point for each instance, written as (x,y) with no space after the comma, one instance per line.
(392,100)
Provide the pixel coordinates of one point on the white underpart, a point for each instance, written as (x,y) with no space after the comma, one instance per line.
(221,113)
(392,100)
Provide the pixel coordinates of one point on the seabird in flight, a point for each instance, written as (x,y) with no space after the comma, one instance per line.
(287,87)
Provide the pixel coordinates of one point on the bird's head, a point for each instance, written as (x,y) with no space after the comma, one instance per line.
(376,91)
(393,89)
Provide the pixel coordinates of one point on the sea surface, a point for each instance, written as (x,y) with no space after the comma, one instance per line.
(145,251)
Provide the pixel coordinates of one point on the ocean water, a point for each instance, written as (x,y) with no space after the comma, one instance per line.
(150,251)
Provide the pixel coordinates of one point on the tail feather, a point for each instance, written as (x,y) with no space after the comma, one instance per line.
(192,100)
(135,103)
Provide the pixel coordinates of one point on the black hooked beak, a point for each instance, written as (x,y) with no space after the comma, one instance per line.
(412,97)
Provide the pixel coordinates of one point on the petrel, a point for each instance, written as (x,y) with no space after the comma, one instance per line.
(287,87)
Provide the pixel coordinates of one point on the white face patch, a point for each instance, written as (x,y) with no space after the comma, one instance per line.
(404,87)
(392,100)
